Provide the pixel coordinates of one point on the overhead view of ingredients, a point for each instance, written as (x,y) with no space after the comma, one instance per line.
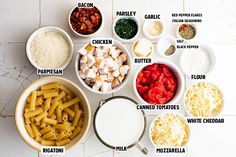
(157,68)
(86,21)
(103,68)
(53,115)
(196,61)
(166,46)
(187,31)
(126,28)
(204,100)
(115,130)
(152,28)
(156,84)
(49,50)
(142,48)
(169,130)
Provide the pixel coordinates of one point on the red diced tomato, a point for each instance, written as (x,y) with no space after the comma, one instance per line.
(166,72)
(156,84)
(146,73)
(162,100)
(154,76)
(148,68)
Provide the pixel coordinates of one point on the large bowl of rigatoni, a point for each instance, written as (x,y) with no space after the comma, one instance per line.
(52,111)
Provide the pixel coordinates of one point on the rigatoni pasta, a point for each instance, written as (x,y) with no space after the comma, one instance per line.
(53,115)
(33,101)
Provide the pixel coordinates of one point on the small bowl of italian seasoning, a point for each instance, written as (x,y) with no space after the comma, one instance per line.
(186,31)
(126,28)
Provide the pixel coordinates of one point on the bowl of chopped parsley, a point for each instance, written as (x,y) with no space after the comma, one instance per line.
(126,28)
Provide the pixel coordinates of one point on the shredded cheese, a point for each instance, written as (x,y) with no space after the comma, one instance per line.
(203,100)
(170,130)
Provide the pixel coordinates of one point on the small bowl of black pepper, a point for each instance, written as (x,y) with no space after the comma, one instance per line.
(166,46)
(126,28)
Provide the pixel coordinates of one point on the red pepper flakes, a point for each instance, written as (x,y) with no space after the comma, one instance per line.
(86,20)
(182,28)
(156,84)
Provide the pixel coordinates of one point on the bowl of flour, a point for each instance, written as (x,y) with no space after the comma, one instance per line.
(199,61)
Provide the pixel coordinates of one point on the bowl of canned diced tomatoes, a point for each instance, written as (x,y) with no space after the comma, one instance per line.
(161,82)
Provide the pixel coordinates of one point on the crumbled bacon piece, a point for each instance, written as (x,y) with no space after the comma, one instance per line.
(86,20)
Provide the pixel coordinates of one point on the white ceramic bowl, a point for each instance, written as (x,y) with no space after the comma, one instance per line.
(88,35)
(185,105)
(196,32)
(49,29)
(126,40)
(211,57)
(149,36)
(120,46)
(161,47)
(19,110)
(178,74)
(169,112)
(142,56)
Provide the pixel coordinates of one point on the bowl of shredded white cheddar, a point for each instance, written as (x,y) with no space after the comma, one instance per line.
(52,111)
(169,130)
(103,69)
(203,100)
(49,48)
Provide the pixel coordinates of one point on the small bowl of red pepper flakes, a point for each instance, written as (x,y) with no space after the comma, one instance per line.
(159,83)
(86,22)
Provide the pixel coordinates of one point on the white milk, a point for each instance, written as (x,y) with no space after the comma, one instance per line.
(119,123)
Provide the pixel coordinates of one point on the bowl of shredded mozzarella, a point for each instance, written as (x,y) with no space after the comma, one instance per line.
(169,130)
(49,47)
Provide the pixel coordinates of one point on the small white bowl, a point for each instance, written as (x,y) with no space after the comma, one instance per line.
(149,36)
(87,35)
(169,112)
(126,40)
(120,46)
(185,105)
(19,110)
(162,47)
(178,74)
(211,57)
(142,56)
(194,26)
(49,29)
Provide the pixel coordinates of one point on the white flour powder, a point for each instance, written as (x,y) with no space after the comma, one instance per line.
(195,62)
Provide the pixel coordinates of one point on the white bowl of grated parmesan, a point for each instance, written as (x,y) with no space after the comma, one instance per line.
(49,47)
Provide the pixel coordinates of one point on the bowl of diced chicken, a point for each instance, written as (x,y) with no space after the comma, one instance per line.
(103,69)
